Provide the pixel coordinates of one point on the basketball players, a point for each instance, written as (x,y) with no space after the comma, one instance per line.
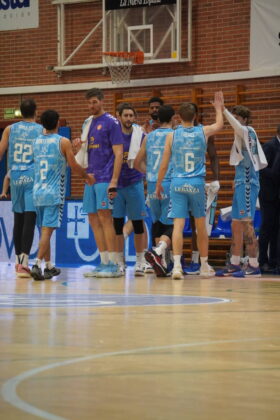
(130,200)
(248,158)
(186,150)
(51,153)
(19,138)
(148,160)
(102,155)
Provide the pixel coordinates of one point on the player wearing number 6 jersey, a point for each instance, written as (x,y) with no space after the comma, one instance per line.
(51,153)
(19,138)
(186,150)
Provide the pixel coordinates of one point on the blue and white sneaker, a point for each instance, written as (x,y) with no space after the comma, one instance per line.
(228,271)
(109,270)
(95,271)
(193,268)
(249,271)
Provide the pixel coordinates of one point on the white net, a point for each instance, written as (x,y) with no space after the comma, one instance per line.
(120,68)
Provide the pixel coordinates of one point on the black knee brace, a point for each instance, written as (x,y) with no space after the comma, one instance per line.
(155,232)
(166,230)
(138,226)
(118,225)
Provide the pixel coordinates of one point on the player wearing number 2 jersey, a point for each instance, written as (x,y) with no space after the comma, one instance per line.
(51,152)
(186,151)
(19,138)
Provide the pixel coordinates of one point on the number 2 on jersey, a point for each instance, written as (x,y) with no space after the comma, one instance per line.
(44,169)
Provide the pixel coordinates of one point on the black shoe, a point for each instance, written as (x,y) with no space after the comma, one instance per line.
(51,272)
(267,269)
(36,273)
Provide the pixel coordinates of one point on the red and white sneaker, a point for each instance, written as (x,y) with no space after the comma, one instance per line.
(22,271)
(156,262)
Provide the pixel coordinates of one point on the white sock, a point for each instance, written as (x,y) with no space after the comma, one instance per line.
(139,257)
(204,262)
(235,259)
(18,259)
(24,260)
(38,262)
(120,258)
(253,262)
(112,257)
(161,247)
(195,257)
(49,265)
(104,257)
(177,261)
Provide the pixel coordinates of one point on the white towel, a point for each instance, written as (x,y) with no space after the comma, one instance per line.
(135,144)
(241,135)
(82,155)
(212,195)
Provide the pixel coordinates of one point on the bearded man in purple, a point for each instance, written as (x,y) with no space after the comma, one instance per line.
(103,136)
(130,200)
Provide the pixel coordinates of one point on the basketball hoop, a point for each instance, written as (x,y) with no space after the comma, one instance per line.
(120,64)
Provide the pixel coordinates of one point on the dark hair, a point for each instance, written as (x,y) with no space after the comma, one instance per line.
(242,111)
(49,119)
(126,106)
(187,111)
(95,92)
(28,108)
(123,106)
(165,113)
(156,99)
(278,129)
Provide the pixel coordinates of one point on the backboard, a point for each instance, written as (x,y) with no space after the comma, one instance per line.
(159,28)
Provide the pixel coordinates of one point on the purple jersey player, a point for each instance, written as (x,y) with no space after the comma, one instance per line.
(130,200)
(103,137)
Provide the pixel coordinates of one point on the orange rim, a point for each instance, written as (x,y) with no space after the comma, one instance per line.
(138,56)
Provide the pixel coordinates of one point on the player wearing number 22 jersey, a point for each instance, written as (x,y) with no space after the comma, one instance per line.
(21,164)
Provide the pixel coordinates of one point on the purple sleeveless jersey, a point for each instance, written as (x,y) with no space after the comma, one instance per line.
(128,176)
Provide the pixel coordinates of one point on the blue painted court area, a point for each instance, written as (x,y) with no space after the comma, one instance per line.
(100,300)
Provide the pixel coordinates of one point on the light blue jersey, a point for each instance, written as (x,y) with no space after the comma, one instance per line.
(188,154)
(244,171)
(154,151)
(21,140)
(50,171)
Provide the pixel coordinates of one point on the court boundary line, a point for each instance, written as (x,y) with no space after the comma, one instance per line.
(9,388)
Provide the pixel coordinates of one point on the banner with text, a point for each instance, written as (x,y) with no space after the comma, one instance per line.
(18,14)
(265,34)
(128,4)
(72,244)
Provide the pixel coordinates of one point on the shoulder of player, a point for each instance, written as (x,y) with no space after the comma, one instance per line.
(111,119)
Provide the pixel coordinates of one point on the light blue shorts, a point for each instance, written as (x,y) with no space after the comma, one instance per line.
(49,216)
(186,198)
(130,202)
(244,201)
(96,198)
(21,191)
(159,208)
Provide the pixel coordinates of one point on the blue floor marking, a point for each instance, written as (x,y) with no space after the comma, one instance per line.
(100,300)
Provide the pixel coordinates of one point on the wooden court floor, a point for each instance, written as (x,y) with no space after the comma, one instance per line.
(139,348)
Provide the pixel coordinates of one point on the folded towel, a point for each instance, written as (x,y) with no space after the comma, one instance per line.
(82,155)
(135,144)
